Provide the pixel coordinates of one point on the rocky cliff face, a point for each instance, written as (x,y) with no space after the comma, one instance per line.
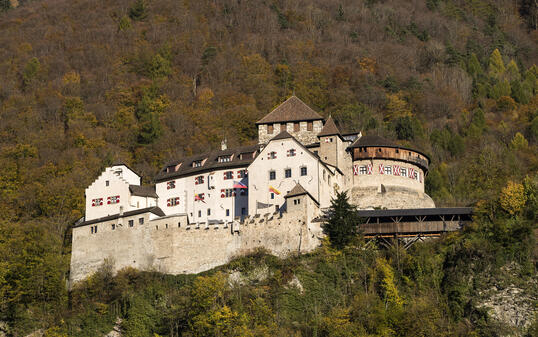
(511,304)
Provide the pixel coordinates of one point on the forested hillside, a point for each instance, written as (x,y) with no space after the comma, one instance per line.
(86,83)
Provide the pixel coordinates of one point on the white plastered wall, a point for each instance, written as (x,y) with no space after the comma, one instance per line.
(313,182)
(197,211)
(117,186)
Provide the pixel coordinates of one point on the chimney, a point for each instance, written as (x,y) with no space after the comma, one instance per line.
(223,145)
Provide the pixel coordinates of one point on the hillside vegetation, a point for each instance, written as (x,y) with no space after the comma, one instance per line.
(85,83)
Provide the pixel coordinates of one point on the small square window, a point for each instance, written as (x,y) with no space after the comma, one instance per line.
(107,183)
(303,171)
(131,223)
(140,221)
(272,175)
(287,173)
(272,195)
(113,226)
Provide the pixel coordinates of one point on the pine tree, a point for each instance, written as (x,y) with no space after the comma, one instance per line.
(512,71)
(496,64)
(474,68)
(139,11)
(342,226)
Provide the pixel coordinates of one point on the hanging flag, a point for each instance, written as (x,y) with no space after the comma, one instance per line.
(274,190)
(238,184)
(199,197)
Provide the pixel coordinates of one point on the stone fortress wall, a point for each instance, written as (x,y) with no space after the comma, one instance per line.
(171,245)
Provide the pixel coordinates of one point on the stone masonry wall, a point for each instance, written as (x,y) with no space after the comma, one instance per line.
(303,135)
(164,246)
(390,197)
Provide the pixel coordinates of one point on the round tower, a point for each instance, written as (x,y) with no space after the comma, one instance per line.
(388,176)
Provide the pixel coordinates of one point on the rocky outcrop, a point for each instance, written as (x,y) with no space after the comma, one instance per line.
(512,305)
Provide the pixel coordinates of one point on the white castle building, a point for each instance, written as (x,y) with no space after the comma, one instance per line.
(203,210)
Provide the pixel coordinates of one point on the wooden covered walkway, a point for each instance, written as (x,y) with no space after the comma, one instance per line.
(412,225)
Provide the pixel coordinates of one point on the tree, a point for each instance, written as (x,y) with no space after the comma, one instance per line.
(513,198)
(519,142)
(342,226)
(512,71)
(397,107)
(30,71)
(139,11)
(387,285)
(148,111)
(496,64)
(474,68)
(405,128)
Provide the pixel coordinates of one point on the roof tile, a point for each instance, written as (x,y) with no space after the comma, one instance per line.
(292,110)
(329,129)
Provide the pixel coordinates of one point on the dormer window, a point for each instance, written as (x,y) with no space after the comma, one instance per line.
(197,163)
(225,159)
(172,168)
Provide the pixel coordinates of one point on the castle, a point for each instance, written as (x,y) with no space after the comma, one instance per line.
(206,209)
